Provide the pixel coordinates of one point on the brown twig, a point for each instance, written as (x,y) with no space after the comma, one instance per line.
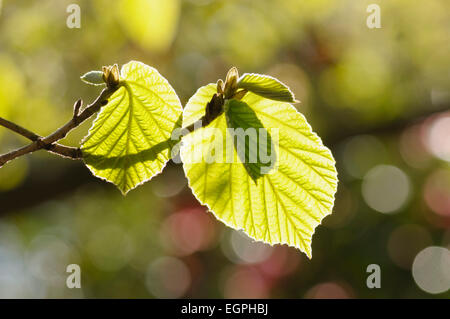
(65,151)
(49,142)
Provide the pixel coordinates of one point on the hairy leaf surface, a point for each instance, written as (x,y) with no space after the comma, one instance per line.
(283,205)
(266,86)
(129,141)
(93,78)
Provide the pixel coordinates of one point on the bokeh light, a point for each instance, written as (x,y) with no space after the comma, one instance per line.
(110,248)
(168,184)
(386,188)
(413,148)
(431,269)
(329,290)
(239,248)
(186,232)
(245,282)
(283,261)
(438,137)
(168,277)
(437,191)
(153,24)
(405,242)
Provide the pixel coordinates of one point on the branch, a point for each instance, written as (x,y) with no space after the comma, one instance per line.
(64,151)
(213,109)
(49,142)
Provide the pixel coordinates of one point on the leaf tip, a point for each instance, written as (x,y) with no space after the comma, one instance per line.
(308,253)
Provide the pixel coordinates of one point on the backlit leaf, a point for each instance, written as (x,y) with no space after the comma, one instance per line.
(285,203)
(129,141)
(266,86)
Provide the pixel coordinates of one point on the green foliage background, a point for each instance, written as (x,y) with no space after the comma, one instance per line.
(373,95)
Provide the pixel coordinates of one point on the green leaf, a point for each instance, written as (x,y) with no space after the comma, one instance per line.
(130,140)
(240,118)
(282,205)
(266,86)
(93,78)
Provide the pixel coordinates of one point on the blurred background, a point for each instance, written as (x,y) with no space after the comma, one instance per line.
(379,98)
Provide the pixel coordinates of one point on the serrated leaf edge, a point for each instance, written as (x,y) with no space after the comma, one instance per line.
(98,114)
(320,142)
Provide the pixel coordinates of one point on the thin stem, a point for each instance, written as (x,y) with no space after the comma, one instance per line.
(49,142)
(62,150)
